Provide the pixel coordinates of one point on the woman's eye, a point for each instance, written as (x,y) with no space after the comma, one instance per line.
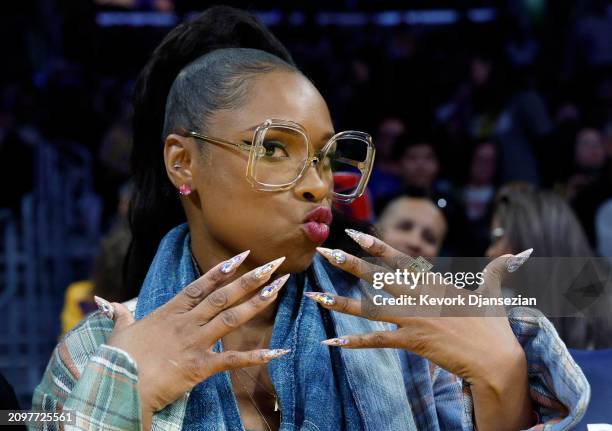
(275,149)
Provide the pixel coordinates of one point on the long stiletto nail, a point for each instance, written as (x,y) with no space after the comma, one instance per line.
(268,268)
(338,255)
(268,354)
(363,239)
(273,287)
(335,342)
(513,263)
(105,307)
(230,264)
(321,297)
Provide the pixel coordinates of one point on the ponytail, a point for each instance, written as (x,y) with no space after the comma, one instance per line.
(155,207)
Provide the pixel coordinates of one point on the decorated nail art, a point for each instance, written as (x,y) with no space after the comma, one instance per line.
(105,307)
(264,270)
(325,251)
(273,353)
(273,287)
(321,297)
(335,342)
(338,256)
(363,239)
(229,265)
(513,263)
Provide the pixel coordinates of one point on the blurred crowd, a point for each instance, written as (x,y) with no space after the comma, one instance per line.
(491,136)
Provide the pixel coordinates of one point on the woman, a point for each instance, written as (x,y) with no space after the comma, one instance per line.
(542,219)
(194,359)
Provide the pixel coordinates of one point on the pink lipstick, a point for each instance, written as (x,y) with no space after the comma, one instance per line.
(316,224)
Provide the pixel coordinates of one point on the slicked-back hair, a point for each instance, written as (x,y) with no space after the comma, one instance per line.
(200,66)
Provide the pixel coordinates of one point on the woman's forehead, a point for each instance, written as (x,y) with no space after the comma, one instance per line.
(279,95)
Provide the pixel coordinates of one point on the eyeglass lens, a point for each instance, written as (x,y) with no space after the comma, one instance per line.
(282,152)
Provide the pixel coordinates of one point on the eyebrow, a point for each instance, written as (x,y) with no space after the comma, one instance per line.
(326,137)
(251,129)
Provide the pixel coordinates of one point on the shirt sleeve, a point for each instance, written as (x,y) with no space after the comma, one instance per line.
(559,390)
(99,383)
(454,407)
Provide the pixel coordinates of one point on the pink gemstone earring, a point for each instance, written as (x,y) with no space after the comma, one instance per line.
(184,190)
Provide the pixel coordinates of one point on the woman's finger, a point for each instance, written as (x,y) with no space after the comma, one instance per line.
(232,359)
(496,270)
(225,297)
(495,273)
(361,308)
(199,289)
(228,320)
(351,264)
(362,269)
(123,317)
(391,256)
(115,311)
(338,303)
(378,339)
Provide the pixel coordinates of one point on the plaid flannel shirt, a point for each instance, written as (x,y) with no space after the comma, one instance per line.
(99,383)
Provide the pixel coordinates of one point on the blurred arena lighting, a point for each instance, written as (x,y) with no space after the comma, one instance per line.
(136,19)
(297,18)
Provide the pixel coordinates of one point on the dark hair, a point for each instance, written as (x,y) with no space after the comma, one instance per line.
(107,271)
(385,201)
(409,140)
(181,58)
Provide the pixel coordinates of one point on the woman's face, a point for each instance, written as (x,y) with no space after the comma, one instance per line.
(232,215)
(413,226)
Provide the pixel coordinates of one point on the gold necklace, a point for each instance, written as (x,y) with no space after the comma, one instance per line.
(252,400)
(261,385)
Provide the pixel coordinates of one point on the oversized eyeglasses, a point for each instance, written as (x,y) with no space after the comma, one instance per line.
(280,154)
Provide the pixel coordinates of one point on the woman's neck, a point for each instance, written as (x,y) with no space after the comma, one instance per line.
(208,252)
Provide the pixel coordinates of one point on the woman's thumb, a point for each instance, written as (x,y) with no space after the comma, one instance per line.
(496,270)
(115,311)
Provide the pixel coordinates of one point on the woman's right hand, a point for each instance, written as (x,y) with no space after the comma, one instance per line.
(173,346)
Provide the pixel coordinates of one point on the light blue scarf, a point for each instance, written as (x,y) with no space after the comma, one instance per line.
(318,388)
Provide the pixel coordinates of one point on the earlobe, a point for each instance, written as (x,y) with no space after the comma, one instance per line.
(185,190)
(177,158)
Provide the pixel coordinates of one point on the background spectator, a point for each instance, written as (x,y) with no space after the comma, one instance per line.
(527,218)
(413,225)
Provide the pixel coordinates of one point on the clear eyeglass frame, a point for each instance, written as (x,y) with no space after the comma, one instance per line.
(256,148)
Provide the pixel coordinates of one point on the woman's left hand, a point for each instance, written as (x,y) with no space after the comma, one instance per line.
(481,350)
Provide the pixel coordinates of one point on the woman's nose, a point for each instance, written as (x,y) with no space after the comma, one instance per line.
(312,187)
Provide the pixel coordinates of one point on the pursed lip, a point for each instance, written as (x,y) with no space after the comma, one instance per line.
(316,224)
(320,214)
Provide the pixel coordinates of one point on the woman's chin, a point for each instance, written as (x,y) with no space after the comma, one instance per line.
(298,263)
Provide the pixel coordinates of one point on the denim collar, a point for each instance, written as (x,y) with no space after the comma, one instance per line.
(361,383)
